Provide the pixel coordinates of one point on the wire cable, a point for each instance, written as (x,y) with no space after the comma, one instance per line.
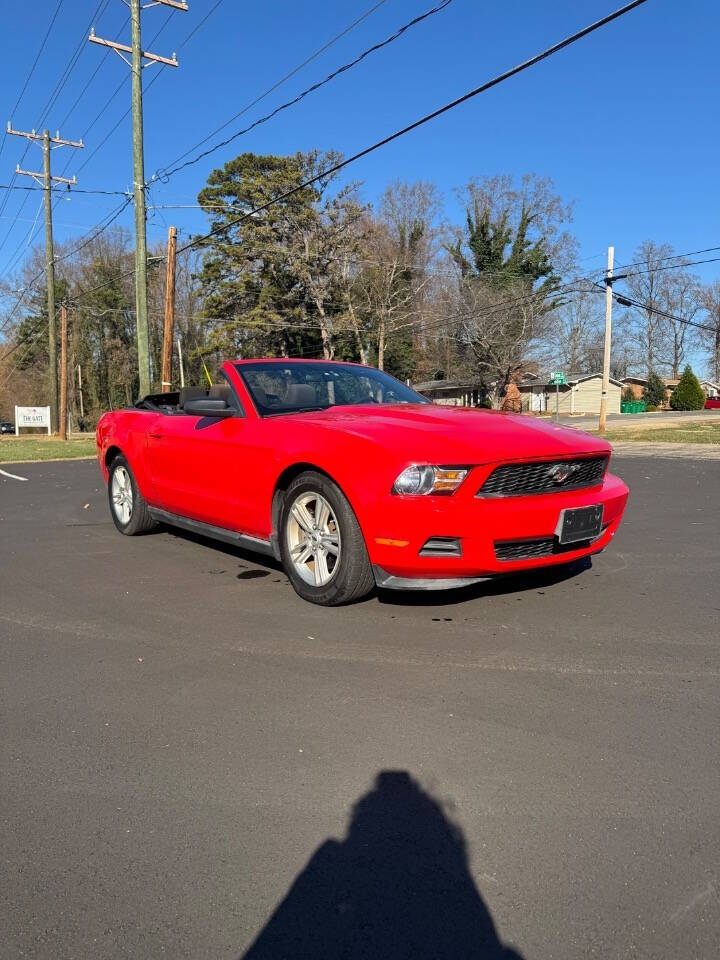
(495,81)
(32,68)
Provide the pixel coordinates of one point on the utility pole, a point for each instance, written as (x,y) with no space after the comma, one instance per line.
(169,326)
(46,179)
(608,338)
(63,372)
(136,64)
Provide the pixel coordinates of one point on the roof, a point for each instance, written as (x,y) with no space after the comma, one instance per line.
(448,385)
(572,380)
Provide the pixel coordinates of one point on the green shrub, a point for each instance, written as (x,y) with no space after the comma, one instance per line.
(651,408)
(688,394)
(655,392)
(628,395)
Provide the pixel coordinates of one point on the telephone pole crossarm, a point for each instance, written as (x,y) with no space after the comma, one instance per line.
(175,4)
(56,140)
(121,48)
(40,176)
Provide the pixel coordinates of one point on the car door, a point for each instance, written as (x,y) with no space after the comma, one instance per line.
(208,469)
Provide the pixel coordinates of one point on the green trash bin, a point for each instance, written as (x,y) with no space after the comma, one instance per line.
(635,406)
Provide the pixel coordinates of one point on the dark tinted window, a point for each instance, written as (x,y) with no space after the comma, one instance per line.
(288,387)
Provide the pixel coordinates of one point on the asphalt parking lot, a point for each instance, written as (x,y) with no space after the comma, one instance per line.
(198,764)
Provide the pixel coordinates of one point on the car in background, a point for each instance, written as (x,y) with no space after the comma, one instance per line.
(352,480)
(6,426)
(712,403)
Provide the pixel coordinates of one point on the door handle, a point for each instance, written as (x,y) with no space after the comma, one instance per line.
(156,436)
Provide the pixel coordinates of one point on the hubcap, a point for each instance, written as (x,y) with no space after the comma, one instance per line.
(313,539)
(122,495)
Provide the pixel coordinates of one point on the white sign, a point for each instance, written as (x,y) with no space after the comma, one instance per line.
(32,417)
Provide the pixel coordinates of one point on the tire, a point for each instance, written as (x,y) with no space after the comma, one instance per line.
(130,515)
(308,548)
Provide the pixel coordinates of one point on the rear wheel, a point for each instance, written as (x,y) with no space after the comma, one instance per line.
(127,505)
(321,543)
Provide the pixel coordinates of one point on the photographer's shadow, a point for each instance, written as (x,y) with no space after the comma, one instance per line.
(398,887)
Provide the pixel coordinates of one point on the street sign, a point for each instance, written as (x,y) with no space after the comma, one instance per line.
(558,378)
(32,417)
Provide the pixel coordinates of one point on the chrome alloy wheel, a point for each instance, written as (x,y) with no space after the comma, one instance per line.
(122,495)
(313,539)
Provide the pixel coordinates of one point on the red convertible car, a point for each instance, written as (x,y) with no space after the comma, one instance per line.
(351,479)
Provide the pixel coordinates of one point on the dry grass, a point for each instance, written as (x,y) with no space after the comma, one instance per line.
(18,449)
(685,433)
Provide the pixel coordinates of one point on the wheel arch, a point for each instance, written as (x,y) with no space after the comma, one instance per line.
(112,451)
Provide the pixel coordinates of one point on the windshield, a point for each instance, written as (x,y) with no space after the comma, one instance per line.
(290,387)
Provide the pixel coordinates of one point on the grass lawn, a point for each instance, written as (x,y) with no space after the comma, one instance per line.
(686,433)
(15,449)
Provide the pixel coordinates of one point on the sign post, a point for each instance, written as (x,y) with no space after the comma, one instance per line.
(557,378)
(32,417)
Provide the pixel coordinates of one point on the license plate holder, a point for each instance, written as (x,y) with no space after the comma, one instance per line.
(579,524)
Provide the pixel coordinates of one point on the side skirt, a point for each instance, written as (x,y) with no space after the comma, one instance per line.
(209,530)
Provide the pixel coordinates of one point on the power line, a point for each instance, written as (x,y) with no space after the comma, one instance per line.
(495,81)
(672,266)
(32,68)
(649,308)
(164,175)
(109,193)
(669,256)
(281,81)
(64,77)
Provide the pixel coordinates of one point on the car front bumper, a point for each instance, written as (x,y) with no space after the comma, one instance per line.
(399,527)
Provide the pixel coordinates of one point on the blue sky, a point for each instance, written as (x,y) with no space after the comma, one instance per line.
(625,122)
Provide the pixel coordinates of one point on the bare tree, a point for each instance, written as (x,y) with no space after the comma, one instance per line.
(710,339)
(681,291)
(648,284)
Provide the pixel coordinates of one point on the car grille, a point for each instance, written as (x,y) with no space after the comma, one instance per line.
(522,479)
(508,550)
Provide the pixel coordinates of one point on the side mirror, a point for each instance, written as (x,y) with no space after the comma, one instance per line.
(208,407)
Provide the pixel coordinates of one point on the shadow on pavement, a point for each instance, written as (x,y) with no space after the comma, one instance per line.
(398,887)
(493,587)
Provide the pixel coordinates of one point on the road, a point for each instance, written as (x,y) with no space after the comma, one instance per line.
(197,764)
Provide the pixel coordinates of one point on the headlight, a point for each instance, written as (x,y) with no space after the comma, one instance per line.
(421,479)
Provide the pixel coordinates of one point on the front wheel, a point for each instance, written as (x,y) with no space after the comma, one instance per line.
(127,505)
(321,543)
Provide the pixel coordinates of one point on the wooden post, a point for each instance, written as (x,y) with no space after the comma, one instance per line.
(63,372)
(169,327)
(80,391)
(182,369)
(608,338)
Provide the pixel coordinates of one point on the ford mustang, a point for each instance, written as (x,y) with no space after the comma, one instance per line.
(351,479)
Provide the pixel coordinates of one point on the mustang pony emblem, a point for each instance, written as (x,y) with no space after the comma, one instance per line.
(561,472)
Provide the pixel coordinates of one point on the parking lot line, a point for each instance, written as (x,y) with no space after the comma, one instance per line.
(13,476)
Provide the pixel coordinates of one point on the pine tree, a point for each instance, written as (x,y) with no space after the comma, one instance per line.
(688,394)
(655,392)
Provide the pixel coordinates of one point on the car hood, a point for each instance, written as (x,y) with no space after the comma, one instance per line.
(455,435)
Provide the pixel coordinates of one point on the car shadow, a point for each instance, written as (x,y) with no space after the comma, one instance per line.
(261,560)
(493,587)
(397,887)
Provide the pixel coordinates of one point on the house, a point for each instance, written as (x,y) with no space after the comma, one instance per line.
(453,393)
(581,394)
(636,384)
(710,388)
(474,393)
